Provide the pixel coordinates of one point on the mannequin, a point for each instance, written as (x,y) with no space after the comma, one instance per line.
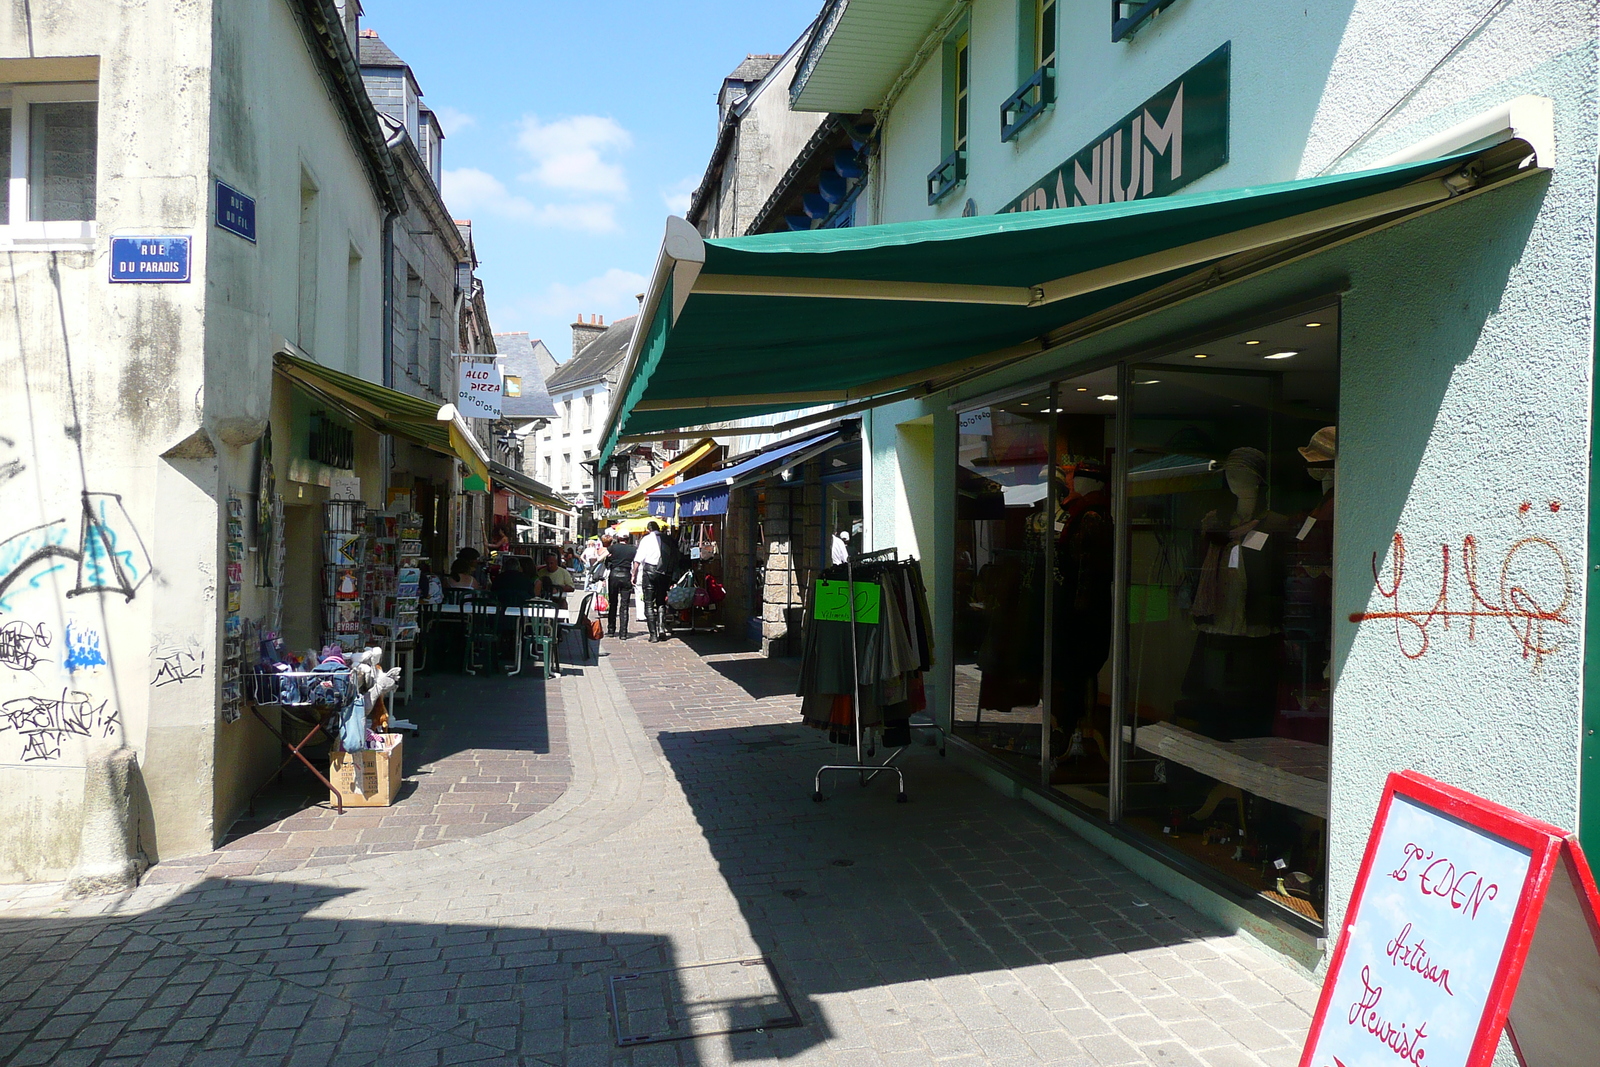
(1082,589)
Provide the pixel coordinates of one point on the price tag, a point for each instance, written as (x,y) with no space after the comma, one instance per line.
(832,602)
(1305,528)
(1255,540)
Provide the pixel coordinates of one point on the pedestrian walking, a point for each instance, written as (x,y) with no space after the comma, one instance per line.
(654,579)
(618,561)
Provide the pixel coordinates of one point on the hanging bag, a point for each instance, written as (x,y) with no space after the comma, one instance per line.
(681,595)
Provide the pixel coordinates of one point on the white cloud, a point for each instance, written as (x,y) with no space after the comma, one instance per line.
(469,191)
(454,119)
(611,294)
(571,153)
(677,197)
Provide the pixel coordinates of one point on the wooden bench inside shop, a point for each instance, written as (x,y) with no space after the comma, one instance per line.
(1285,771)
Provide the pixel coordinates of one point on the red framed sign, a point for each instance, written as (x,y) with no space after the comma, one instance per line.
(1468,919)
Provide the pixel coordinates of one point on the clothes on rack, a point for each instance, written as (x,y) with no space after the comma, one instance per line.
(891,655)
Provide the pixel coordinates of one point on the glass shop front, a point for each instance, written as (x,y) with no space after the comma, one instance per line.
(1143,599)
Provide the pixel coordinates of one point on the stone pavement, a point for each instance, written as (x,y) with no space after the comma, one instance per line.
(490,752)
(960,928)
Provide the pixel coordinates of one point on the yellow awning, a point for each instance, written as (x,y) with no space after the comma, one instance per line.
(389,411)
(630,525)
(672,470)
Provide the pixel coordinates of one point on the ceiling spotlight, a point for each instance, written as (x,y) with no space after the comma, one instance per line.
(1201,355)
(1149,381)
(1024,403)
(1252,342)
(1106,396)
(1281,355)
(1313,325)
(1083,389)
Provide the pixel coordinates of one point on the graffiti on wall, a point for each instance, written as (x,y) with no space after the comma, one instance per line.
(1530,593)
(20,643)
(176,664)
(83,648)
(102,549)
(45,722)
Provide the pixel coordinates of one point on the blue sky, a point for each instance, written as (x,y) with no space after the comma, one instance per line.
(571,130)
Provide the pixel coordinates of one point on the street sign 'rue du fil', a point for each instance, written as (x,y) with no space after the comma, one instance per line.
(1468,920)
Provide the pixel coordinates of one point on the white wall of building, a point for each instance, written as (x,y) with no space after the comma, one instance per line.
(147,396)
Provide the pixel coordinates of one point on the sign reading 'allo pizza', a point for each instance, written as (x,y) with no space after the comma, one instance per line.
(1468,919)
(1176,136)
(478,388)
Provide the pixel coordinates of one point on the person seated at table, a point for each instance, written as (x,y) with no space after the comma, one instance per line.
(461,575)
(515,582)
(554,581)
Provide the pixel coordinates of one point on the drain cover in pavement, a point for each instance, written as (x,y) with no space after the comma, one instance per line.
(699,1000)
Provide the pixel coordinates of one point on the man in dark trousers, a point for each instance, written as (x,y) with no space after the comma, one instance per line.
(650,568)
(618,561)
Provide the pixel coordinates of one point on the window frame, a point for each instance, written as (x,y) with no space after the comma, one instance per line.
(956,114)
(17,227)
(1123,27)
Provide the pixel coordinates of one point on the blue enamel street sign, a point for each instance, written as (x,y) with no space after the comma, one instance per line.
(236,212)
(150,259)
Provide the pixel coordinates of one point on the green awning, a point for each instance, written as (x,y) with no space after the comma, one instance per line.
(389,411)
(737,327)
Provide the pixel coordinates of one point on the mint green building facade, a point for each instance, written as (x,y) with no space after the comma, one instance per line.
(1213,695)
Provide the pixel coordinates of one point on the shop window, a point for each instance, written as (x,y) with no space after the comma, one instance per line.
(952,169)
(56,127)
(1001,531)
(1142,596)
(1128,16)
(1037,59)
(1229,625)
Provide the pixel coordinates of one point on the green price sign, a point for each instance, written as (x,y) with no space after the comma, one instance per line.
(833,602)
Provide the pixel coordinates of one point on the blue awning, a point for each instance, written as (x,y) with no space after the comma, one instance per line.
(708,494)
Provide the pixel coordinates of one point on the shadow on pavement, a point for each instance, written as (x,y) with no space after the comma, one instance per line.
(236,972)
(861,892)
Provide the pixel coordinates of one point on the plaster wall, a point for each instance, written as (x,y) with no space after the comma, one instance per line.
(1308,82)
(1467,340)
(131,410)
(97,382)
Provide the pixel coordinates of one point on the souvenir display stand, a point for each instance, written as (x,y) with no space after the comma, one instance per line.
(856,605)
(338,697)
(344,574)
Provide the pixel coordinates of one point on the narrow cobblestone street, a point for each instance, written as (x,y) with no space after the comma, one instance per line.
(959,928)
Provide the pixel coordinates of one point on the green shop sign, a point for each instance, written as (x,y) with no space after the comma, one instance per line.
(1176,136)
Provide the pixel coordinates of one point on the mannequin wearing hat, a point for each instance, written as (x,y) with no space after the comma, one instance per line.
(1303,704)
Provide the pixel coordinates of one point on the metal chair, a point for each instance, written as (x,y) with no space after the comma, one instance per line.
(483,631)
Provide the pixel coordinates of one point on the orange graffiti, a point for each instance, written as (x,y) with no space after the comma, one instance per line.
(1529,619)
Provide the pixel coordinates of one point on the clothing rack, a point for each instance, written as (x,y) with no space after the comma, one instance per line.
(866,751)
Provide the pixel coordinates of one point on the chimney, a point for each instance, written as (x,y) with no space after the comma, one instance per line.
(585,332)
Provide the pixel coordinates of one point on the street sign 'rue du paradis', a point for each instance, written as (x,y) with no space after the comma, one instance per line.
(1468,920)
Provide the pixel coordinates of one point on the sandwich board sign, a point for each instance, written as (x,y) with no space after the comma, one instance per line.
(1468,919)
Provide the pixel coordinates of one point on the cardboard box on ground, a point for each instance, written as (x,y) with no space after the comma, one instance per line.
(380,770)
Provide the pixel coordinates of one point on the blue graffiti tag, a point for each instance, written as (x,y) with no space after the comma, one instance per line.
(83,648)
(110,556)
